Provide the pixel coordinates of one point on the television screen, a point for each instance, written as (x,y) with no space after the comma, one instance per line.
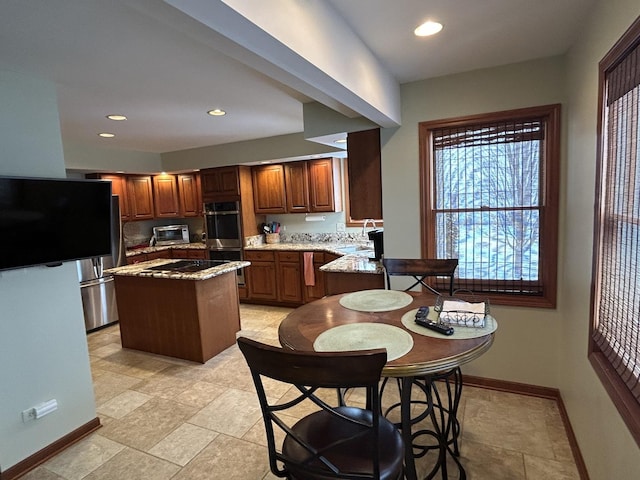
(48,221)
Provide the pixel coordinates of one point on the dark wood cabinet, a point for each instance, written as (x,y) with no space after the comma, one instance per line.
(140,191)
(269,189)
(296,176)
(298,187)
(325,189)
(261,275)
(365,175)
(220,182)
(288,277)
(189,195)
(165,196)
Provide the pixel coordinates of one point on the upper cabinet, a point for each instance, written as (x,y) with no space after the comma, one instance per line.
(365,174)
(298,187)
(145,197)
(269,189)
(165,189)
(140,197)
(189,195)
(220,183)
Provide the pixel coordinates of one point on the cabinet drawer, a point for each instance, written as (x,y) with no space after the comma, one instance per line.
(288,256)
(259,256)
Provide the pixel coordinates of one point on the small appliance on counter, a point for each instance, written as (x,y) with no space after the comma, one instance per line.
(171,235)
(376,236)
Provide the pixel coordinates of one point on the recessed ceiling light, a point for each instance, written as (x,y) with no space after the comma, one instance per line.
(428,28)
(341,140)
(217,112)
(116,117)
(107,135)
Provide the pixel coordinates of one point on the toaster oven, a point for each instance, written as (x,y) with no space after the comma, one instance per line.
(171,234)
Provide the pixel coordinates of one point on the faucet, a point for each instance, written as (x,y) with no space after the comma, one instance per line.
(364,226)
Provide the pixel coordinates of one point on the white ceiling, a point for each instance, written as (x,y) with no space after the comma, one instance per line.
(148,61)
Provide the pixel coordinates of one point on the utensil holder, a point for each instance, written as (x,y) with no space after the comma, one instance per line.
(272,237)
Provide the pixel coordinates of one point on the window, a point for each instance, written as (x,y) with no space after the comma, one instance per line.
(614,341)
(490,199)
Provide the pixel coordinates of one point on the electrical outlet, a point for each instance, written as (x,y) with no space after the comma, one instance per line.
(28,415)
(341,227)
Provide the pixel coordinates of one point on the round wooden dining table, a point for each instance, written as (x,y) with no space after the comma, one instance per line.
(429,357)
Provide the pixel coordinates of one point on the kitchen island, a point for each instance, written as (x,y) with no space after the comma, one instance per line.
(186,309)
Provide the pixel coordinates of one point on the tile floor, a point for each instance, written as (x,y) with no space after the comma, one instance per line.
(170,419)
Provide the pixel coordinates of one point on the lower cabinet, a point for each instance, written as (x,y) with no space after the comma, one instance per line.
(277,277)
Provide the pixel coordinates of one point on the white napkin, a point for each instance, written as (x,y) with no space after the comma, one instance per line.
(463,313)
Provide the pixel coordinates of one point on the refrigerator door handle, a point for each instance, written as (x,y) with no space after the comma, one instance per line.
(97,266)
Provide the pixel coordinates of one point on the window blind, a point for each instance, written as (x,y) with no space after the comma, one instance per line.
(617,296)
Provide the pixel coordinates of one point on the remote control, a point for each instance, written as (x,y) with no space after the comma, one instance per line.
(422,312)
(435,326)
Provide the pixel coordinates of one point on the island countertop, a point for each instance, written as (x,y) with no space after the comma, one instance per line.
(142,269)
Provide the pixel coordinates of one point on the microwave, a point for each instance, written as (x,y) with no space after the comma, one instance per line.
(171,234)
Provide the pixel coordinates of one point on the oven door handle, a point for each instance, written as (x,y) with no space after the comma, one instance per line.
(222,213)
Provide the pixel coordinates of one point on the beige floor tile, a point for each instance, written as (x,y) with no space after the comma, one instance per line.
(200,394)
(41,473)
(184,443)
(110,385)
(503,424)
(123,404)
(232,413)
(134,465)
(484,462)
(164,386)
(544,469)
(148,424)
(227,458)
(83,457)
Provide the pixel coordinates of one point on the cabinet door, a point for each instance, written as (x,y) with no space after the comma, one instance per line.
(190,198)
(296,176)
(365,174)
(269,189)
(261,280)
(289,277)
(325,185)
(220,182)
(140,197)
(118,187)
(165,189)
(159,254)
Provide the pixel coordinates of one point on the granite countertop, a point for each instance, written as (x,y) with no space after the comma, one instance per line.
(141,270)
(182,246)
(355,258)
(354,263)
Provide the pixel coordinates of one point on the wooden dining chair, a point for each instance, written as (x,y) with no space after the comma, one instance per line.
(420,269)
(335,441)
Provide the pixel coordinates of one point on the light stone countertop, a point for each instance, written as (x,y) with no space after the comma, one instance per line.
(181,246)
(141,270)
(352,260)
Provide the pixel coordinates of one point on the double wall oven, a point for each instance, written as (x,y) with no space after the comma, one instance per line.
(223,228)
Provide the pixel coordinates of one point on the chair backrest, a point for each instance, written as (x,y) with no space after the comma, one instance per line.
(420,269)
(334,441)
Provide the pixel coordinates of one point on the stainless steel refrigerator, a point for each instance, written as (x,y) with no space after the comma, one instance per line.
(97,289)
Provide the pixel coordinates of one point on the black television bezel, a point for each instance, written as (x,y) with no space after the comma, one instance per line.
(53,262)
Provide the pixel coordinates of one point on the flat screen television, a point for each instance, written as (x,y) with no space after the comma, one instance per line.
(46,221)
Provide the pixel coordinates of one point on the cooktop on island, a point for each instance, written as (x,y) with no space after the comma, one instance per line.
(187,265)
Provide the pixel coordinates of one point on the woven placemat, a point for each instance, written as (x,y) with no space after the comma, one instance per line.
(376,300)
(365,336)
